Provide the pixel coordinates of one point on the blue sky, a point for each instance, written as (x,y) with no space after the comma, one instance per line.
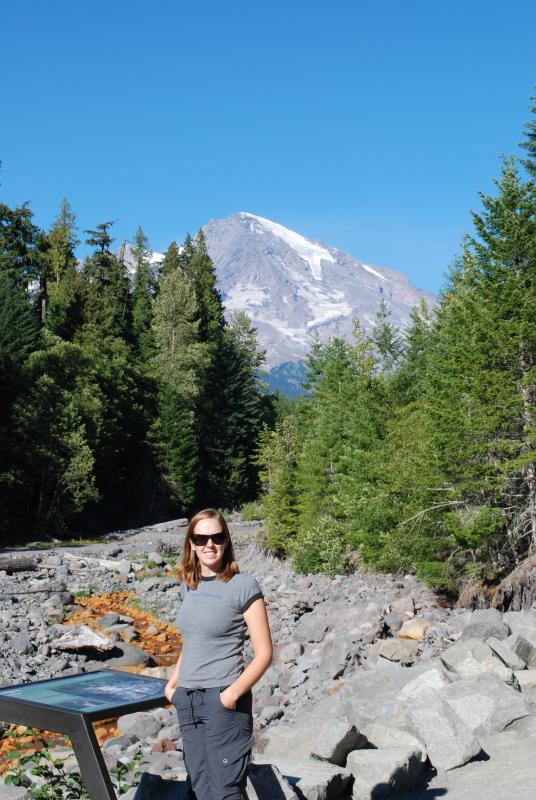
(370,126)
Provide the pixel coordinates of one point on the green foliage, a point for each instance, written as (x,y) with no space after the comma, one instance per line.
(55,781)
(320,547)
(252,511)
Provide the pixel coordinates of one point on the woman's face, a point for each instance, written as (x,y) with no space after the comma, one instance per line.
(210,554)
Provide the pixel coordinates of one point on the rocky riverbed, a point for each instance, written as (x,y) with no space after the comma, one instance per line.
(376,687)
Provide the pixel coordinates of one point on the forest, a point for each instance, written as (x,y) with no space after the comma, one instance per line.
(130,400)
(124,401)
(415,450)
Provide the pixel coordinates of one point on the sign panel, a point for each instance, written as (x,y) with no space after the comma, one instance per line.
(90,692)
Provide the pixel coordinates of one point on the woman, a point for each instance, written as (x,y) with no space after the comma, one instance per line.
(209,685)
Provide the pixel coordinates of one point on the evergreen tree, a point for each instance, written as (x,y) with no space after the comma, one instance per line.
(143,292)
(386,339)
(172,259)
(106,290)
(178,364)
(64,288)
(529,143)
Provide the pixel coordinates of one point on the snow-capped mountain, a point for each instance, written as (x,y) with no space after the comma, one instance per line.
(294,289)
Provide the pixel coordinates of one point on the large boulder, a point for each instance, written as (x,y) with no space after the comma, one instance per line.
(485,704)
(415,628)
(378,773)
(313,779)
(335,740)
(524,647)
(433,678)
(448,741)
(382,736)
(472,657)
(336,656)
(509,658)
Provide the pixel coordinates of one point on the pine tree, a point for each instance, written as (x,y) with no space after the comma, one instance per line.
(64,288)
(529,143)
(178,364)
(386,339)
(107,300)
(144,286)
(172,259)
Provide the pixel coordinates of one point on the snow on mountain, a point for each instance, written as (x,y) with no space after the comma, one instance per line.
(295,289)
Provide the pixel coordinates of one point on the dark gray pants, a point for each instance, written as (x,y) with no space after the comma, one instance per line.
(217,742)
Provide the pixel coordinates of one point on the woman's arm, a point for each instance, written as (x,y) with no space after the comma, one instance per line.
(173,681)
(261,640)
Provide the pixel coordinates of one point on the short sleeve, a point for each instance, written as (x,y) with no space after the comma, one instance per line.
(249,591)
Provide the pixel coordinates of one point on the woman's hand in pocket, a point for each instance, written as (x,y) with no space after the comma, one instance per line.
(228,699)
(169,692)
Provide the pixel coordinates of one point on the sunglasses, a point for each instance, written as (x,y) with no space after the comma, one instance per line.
(200,540)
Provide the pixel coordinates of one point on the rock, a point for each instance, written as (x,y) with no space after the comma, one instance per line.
(448,741)
(288,652)
(313,779)
(403,650)
(156,558)
(128,656)
(119,743)
(471,657)
(335,740)
(484,623)
(142,724)
(378,773)
(393,621)
(84,638)
(336,655)
(485,704)
(382,736)
(505,653)
(434,678)
(22,644)
(526,679)
(415,628)
(108,620)
(524,648)
(404,606)
(10,792)
(291,678)
(310,629)
(523,622)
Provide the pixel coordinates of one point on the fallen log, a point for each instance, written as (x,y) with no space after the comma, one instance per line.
(18,563)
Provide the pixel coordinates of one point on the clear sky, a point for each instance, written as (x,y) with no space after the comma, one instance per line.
(370,126)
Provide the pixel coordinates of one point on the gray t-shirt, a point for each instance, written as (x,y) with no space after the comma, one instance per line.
(211,621)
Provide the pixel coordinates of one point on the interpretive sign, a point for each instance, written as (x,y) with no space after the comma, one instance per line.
(70,706)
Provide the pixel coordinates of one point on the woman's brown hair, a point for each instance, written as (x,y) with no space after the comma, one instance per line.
(189,569)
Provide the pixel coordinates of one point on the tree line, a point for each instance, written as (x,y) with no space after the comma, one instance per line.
(415,450)
(123,400)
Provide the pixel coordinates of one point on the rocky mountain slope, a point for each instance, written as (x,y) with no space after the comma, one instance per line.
(295,289)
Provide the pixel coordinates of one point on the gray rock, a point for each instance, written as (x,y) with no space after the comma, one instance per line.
(403,650)
(378,773)
(482,630)
(485,704)
(434,678)
(524,647)
(335,740)
(127,655)
(336,656)
(156,558)
(506,654)
(526,679)
(310,628)
(22,644)
(289,652)
(471,657)
(108,620)
(448,741)
(142,724)
(382,736)
(312,779)
(10,792)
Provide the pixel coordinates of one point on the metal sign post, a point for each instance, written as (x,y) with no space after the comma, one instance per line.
(70,705)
